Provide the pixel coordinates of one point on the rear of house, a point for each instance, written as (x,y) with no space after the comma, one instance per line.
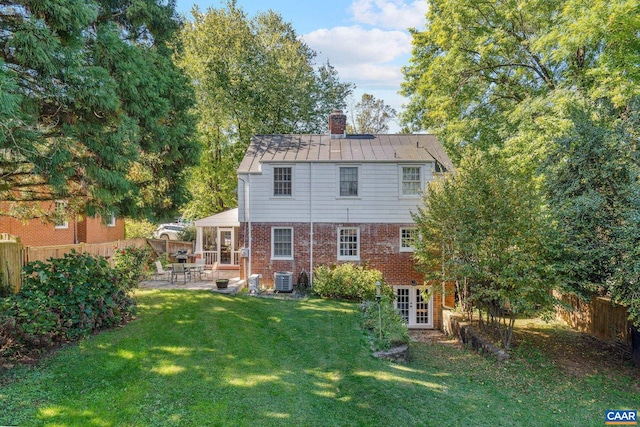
(309,200)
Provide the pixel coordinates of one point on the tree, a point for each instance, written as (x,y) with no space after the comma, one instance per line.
(371,116)
(594,193)
(484,228)
(251,76)
(485,73)
(93,109)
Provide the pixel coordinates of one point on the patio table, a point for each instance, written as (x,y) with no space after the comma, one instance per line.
(190,267)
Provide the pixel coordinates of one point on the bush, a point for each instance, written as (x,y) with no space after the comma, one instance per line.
(133,263)
(394,329)
(138,229)
(187,234)
(348,282)
(63,299)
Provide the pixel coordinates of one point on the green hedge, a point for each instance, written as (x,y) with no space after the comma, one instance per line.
(63,299)
(348,282)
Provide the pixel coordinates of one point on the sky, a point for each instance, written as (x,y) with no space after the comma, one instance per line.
(365,40)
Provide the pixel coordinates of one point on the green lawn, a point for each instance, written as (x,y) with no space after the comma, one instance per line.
(198,359)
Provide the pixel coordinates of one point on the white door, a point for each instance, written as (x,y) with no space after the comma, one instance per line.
(416,311)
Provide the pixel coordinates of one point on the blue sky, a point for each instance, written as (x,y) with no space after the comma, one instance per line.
(365,40)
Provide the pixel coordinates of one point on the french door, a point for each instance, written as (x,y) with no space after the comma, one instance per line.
(416,311)
(225,246)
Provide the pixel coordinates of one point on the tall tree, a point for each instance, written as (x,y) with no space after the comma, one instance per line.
(252,76)
(485,229)
(594,191)
(487,73)
(93,110)
(371,115)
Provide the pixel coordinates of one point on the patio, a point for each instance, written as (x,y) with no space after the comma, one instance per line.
(234,287)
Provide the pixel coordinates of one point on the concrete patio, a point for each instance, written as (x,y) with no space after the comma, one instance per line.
(206,284)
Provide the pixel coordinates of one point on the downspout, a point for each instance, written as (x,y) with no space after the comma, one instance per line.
(311,224)
(247,218)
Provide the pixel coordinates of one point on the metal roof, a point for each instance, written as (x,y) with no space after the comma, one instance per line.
(352,148)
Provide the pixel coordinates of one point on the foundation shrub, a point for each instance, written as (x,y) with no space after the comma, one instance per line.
(348,282)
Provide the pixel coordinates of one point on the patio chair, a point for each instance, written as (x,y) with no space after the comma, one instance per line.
(200,270)
(160,271)
(179,269)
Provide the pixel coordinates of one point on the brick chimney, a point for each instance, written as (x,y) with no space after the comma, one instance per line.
(337,124)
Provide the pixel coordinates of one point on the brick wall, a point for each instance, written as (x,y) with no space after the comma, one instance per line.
(36,232)
(379,249)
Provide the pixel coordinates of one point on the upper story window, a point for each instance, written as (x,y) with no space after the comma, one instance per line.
(282,181)
(349,181)
(411,180)
(282,243)
(408,239)
(349,244)
(60,215)
(111,222)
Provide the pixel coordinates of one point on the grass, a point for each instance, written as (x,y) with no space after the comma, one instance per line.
(199,359)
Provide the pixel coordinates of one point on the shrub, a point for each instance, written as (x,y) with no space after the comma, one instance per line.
(63,299)
(138,229)
(132,262)
(187,234)
(394,329)
(348,282)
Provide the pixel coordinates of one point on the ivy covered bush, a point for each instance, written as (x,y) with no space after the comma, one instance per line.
(64,299)
(388,319)
(348,282)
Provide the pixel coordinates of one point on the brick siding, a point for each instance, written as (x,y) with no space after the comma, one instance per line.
(379,249)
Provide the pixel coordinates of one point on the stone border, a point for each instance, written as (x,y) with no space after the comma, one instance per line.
(453,324)
(395,354)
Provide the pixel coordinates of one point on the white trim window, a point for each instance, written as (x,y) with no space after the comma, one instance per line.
(282,243)
(282,181)
(112,220)
(411,177)
(408,239)
(348,180)
(349,244)
(60,215)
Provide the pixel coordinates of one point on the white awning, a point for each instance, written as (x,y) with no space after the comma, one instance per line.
(223,219)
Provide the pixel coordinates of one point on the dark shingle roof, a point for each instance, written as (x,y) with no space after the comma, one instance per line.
(353,148)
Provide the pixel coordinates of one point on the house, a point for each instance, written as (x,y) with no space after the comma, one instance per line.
(65,231)
(307,200)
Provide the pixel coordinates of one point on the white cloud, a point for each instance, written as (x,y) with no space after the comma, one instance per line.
(362,55)
(395,14)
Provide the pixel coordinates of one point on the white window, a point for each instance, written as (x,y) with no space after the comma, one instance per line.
(411,180)
(349,181)
(282,181)
(282,243)
(112,221)
(60,215)
(408,239)
(349,244)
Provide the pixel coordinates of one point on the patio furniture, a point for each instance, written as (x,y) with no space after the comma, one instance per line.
(200,268)
(180,269)
(160,271)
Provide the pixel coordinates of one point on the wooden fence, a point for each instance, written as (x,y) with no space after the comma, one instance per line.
(11,256)
(599,317)
(162,246)
(43,253)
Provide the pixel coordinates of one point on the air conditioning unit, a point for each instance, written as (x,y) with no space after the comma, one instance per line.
(283,281)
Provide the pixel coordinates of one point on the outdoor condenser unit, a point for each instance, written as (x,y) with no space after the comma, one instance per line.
(283,281)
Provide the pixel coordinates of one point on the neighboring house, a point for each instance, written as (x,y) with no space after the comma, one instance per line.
(307,200)
(36,232)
